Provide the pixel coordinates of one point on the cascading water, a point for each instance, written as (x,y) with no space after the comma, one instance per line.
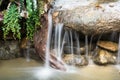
(64,41)
(118,55)
(58,42)
(28,55)
(72,52)
(77,42)
(47,64)
(86,46)
(90,62)
(91,52)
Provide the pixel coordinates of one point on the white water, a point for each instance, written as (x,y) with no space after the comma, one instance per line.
(118,56)
(72,52)
(89,58)
(58,43)
(47,64)
(86,46)
(63,42)
(28,55)
(77,42)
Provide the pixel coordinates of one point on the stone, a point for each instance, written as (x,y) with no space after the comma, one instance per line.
(108,45)
(9,50)
(76,60)
(89,17)
(23,43)
(104,57)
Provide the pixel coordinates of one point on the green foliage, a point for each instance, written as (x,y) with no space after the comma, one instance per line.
(11,22)
(41,6)
(33,18)
(32,23)
(12,18)
(22,5)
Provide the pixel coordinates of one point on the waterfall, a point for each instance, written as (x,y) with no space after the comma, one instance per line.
(58,43)
(47,64)
(90,62)
(27,55)
(86,46)
(63,42)
(77,42)
(72,52)
(118,56)
(60,26)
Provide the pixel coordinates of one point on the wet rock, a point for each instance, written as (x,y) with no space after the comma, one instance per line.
(104,57)
(9,50)
(23,43)
(76,60)
(108,45)
(90,17)
(27,49)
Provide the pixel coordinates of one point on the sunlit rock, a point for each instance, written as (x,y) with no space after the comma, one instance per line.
(108,45)
(104,57)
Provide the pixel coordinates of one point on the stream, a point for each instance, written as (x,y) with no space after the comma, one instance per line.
(20,69)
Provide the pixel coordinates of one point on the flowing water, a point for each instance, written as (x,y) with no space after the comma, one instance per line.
(72,52)
(27,55)
(58,43)
(118,55)
(86,46)
(47,64)
(77,42)
(19,69)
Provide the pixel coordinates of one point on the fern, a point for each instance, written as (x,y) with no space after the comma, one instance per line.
(11,22)
(33,18)
(12,18)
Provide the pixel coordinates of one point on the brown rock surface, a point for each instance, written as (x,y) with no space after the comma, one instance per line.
(92,17)
(108,45)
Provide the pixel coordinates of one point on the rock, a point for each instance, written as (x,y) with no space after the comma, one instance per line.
(108,45)
(75,60)
(89,17)
(104,57)
(26,43)
(9,50)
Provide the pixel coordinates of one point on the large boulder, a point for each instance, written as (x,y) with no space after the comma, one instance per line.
(104,57)
(88,16)
(106,52)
